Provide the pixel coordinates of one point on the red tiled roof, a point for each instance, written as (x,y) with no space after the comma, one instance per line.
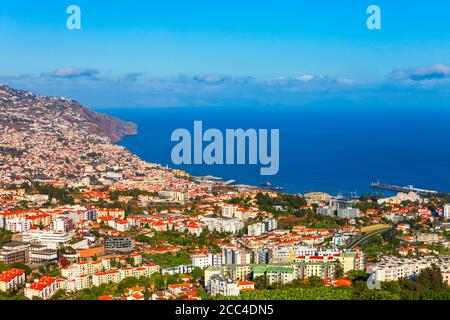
(7,276)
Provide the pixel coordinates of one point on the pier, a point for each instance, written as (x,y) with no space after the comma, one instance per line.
(403,189)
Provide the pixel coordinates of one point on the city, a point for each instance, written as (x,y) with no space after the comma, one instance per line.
(82,218)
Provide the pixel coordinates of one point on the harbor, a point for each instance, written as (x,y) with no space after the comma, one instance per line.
(407,189)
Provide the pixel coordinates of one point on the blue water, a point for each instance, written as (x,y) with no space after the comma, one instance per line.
(322,148)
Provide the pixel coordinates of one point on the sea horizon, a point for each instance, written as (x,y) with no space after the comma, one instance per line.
(340,150)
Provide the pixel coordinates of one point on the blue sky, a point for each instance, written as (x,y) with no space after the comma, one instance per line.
(216,52)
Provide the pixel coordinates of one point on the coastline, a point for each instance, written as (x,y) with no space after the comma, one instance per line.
(314,162)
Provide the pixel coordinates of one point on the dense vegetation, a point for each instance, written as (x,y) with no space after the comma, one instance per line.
(135,193)
(5,237)
(289,203)
(63,196)
(385,244)
(168,260)
(186,240)
(319,293)
(428,285)
(154,283)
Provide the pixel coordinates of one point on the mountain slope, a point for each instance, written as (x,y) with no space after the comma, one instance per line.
(23,109)
(47,138)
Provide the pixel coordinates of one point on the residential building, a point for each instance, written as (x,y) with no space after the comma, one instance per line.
(18,225)
(12,279)
(51,239)
(261,256)
(275,274)
(326,211)
(228,211)
(14,252)
(63,224)
(219,285)
(40,254)
(183,269)
(206,260)
(393,269)
(348,213)
(235,256)
(446,211)
(118,244)
(256,229)
(43,288)
(233,226)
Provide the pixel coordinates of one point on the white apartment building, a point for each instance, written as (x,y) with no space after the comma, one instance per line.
(223,225)
(2,221)
(12,279)
(256,229)
(219,285)
(400,197)
(51,239)
(393,269)
(207,260)
(286,254)
(18,225)
(267,225)
(43,288)
(62,224)
(270,224)
(235,256)
(228,211)
(446,211)
(174,195)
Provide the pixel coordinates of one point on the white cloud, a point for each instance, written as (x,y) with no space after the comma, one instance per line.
(74,72)
(433,72)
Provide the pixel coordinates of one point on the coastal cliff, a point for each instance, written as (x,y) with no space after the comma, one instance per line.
(22,109)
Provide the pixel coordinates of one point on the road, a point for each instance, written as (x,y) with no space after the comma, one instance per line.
(362,238)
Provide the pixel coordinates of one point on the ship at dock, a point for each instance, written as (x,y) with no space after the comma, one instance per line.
(269,186)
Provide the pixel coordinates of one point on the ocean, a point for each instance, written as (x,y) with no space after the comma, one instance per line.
(339,150)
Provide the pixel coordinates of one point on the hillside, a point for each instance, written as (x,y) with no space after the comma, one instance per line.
(48,138)
(21,109)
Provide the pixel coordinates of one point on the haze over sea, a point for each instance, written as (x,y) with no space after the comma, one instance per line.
(339,149)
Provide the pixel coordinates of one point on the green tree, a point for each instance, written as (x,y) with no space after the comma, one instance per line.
(339,271)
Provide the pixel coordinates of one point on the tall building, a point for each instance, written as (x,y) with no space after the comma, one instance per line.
(256,229)
(90,214)
(228,211)
(235,256)
(348,213)
(206,260)
(44,288)
(446,211)
(267,225)
(2,221)
(18,225)
(338,203)
(326,211)
(223,225)
(270,224)
(63,224)
(261,256)
(275,274)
